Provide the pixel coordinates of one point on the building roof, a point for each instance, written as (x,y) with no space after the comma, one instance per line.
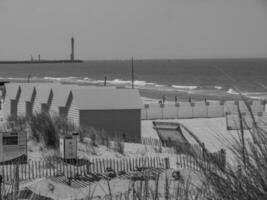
(62,91)
(42,92)
(107,99)
(26,91)
(61,95)
(11,90)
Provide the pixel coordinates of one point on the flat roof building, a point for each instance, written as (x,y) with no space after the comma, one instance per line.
(117,111)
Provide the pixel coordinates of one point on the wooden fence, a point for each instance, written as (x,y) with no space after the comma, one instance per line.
(181,148)
(38,169)
(151,141)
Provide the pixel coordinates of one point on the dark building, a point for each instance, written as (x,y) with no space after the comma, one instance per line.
(116,111)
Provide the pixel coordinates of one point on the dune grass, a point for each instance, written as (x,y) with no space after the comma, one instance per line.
(246,178)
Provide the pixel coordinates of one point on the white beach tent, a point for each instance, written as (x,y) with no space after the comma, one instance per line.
(61,94)
(44,97)
(27,98)
(11,98)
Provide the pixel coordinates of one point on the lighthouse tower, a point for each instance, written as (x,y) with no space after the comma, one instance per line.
(72,49)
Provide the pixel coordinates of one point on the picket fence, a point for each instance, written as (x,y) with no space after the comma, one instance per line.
(151,141)
(38,169)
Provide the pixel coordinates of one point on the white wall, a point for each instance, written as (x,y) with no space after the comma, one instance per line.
(230,107)
(170,111)
(258,106)
(155,111)
(201,109)
(215,109)
(74,115)
(233,121)
(185,110)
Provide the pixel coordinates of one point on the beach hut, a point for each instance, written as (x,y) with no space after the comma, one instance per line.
(25,104)
(62,97)
(44,98)
(11,98)
(117,111)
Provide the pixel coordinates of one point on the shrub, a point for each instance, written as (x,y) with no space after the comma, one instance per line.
(44,128)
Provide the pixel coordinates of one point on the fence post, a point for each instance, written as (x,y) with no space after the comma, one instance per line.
(1,181)
(223,158)
(167,163)
(16,181)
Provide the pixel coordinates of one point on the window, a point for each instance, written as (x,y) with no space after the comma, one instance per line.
(10,140)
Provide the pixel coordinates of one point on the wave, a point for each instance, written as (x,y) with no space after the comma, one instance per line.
(59,78)
(183,87)
(113,82)
(140,84)
(218,87)
(232,91)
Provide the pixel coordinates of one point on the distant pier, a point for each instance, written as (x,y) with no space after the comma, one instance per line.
(32,61)
(40,61)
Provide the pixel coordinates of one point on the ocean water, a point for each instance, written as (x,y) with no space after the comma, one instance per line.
(205,78)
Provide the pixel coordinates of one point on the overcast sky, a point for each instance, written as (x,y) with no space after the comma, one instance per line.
(119,29)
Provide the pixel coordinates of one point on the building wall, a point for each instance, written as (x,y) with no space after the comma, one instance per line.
(63,112)
(14,108)
(21,108)
(73,115)
(10,106)
(119,123)
(1,110)
(54,110)
(25,107)
(37,107)
(6,108)
(183,110)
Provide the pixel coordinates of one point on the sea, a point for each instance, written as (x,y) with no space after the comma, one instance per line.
(197,79)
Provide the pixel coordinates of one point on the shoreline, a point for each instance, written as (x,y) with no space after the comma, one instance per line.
(156,94)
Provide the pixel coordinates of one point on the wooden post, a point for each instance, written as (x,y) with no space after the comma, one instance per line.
(16,182)
(100,166)
(167,163)
(1,183)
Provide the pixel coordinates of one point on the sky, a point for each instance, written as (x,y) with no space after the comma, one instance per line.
(144,29)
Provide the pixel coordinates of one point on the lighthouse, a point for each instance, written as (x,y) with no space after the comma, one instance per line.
(72,49)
